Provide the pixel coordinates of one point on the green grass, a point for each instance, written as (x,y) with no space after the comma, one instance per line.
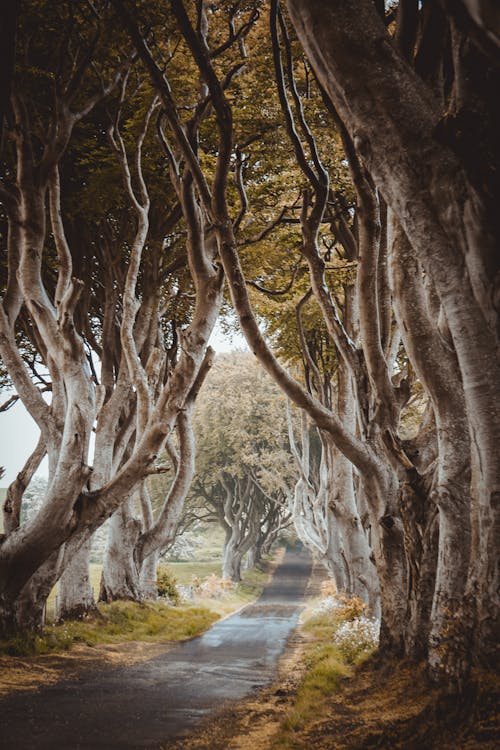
(117,622)
(325,667)
(183,572)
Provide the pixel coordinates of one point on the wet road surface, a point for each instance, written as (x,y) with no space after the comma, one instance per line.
(148,704)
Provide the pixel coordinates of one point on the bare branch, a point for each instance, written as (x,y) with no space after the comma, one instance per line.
(276,292)
(63,252)
(267,230)
(14,497)
(165,93)
(236,36)
(9,403)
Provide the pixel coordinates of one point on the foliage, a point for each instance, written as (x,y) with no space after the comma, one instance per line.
(341,607)
(167,585)
(240,424)
(356,639)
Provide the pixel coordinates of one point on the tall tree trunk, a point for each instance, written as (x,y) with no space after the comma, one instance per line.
(437,368)
(120,576)
(75,598)
(253,556)
(231,561)
(421,531)
(149,589)
(387,542)
(29,607)
(334,558)
(363,574)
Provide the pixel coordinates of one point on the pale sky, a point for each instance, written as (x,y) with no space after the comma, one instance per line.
(19,433)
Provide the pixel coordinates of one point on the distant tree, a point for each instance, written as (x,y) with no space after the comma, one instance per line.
(33,498)
(244,471)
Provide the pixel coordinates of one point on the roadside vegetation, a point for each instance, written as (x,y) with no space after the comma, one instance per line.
(339,638)
(116,623)
(170,619)
(348,697)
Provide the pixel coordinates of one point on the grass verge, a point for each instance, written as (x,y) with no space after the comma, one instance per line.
(116,623)
(347,700)
(335,646)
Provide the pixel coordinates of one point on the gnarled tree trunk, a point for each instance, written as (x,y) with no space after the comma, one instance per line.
(413,154)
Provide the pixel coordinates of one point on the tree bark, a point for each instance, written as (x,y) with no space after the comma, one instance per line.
(75,598)
(437,368)
(363,574)
(231,562)
(120,575)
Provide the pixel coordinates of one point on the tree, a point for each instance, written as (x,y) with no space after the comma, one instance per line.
(459,259)
(41,286)
(243,474)
(396,488)
(352,208)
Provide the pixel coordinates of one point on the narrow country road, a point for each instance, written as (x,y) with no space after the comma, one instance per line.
(148,704)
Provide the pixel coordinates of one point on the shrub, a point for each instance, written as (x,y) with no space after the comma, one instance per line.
(214,587)
(341,607)
(167,585)
(357,639)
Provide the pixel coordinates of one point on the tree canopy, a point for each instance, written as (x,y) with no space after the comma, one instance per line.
(329,172)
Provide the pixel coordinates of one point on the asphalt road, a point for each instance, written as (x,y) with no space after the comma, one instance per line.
(148,704)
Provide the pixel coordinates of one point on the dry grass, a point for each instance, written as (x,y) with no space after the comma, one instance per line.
(326,664)
(394,706)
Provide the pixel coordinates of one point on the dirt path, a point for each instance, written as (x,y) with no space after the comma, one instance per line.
(156,701)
